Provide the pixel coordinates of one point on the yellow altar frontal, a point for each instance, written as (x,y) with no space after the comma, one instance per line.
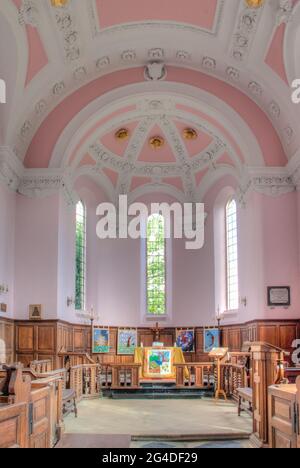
(159,362)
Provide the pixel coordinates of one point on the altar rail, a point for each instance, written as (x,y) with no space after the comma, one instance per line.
(125,376)
(200,375)
(85,380)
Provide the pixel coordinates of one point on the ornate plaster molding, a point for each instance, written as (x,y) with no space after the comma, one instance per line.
(272,182)
(11,169)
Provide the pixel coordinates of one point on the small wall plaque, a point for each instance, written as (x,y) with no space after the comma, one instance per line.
(3,308)
(279,296)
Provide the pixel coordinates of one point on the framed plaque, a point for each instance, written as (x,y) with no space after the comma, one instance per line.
(279,296)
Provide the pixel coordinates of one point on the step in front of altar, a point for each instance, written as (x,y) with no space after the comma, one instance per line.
(159,390)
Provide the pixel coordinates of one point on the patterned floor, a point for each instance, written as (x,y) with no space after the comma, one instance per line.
(228,444)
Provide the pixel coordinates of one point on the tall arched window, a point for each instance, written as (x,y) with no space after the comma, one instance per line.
(80,256)
(156,266)
(232,256)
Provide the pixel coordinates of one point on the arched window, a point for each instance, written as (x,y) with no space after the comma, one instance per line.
(232,256)
(156,265)
(80,256)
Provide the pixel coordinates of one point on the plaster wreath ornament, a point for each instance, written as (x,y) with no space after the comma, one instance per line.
(209,63)
(155,71)
(103,62)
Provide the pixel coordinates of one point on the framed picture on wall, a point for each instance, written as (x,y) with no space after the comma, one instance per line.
(35,312)
(185,339)
(279,296)
(127,341)
(101,340)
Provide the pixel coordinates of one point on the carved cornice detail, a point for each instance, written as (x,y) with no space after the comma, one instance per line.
(248,20)
(10,168)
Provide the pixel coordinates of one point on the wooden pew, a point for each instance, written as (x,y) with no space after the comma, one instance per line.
(14,426)
(284,428)
(28,403)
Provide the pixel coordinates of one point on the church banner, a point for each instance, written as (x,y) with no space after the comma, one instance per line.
(185,339)
(101,341)
(127,341)
(211,339)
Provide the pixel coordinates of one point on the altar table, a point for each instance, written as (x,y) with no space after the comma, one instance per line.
(158,362)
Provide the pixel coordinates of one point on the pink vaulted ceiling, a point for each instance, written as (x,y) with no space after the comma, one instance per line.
(199,13)
(41,148)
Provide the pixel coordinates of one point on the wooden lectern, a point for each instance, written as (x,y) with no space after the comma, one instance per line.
(219,355)
(267,370)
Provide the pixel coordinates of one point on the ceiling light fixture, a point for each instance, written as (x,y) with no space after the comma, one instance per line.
(156,142)
(190,134)
(59,3)
(122,134)
(255,3)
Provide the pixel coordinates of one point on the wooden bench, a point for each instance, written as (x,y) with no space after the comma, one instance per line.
(245,394)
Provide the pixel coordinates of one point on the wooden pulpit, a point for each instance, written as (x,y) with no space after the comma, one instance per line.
(267,370)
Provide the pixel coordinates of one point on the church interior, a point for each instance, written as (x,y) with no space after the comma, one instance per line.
(112,340)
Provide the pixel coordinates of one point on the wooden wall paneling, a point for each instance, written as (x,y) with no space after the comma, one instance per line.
(25,338)
(45,338)
(268,334)
(7,347)
(225,337)
(287,334)
(79,339)
(234,339)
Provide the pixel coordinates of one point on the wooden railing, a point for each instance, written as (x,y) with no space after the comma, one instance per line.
(41,367)
(105,375)
(125,376)
(196,375)
(72,359)
(234,376)
(85,380)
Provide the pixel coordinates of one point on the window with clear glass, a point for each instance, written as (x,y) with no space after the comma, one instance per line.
(232,256)
(156,265)
(80,256)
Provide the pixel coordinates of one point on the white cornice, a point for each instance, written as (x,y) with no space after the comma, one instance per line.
(270,181)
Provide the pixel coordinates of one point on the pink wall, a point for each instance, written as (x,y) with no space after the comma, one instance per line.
(45,258)
(281,250)
(36,262)
(7,248)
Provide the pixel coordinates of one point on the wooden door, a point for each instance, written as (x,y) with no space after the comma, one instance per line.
(39,419)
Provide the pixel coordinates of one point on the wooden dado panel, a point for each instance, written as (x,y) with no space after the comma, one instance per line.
(25,338)
(44,340)
(36,341)
(7,347)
